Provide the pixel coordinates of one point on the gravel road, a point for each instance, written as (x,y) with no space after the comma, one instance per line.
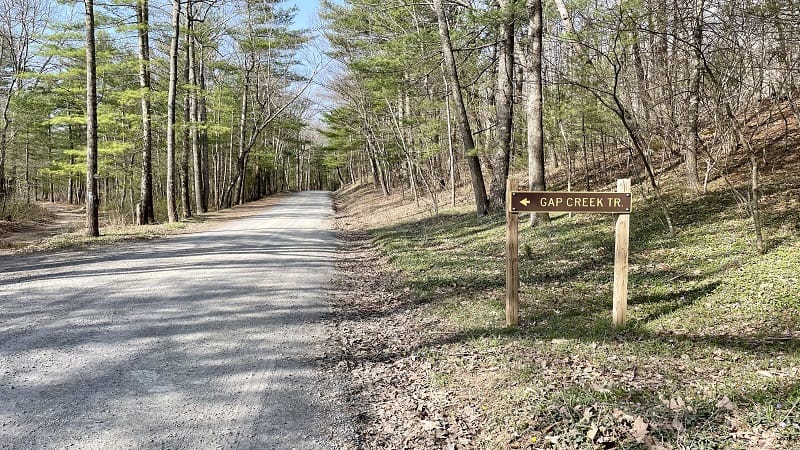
(205,340)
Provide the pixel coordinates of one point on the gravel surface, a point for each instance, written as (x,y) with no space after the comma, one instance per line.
(207,340)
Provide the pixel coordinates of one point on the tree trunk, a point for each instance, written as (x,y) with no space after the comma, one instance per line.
(194,114)
(504,104)
(695,143)
(630,125)
(172,207)
(203,132)
(92,194)
(186,147)
(145,213)
(534,107)
(4,144)
(238,181)
(478,186)
(27,168)
(450,150)
(755,196)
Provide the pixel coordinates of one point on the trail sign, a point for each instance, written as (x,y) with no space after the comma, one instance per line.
(574,202)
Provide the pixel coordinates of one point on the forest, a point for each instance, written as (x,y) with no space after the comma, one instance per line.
(157,111)
(409,120)
(206,104)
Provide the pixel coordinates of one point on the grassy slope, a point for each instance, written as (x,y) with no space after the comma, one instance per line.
(709,359)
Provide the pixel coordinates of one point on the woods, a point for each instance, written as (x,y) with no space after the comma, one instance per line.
(198,105)
(375,302)
(424,98)
(602,89)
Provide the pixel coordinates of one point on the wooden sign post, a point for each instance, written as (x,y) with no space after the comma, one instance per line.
(621,237)
(512,258)
(571,202)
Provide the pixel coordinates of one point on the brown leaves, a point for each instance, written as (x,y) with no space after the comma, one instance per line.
(639,429)
(420,383)
(727,404)
(376,337)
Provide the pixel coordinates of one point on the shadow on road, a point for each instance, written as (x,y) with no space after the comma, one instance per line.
(199,340)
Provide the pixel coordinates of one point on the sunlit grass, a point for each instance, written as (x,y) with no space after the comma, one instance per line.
(711,323)
(108,235)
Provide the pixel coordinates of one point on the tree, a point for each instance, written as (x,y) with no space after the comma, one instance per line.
(145,213)
(267,49)
(608,86)
(535,125)
(20,23)
(478,187)
(172,96)
(186,148)
(194,61)
(695,143)
(92,193)
(504,102)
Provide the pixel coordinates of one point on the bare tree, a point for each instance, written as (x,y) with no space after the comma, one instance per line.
(451,71)
(533,77)
(265,88)
(695,143)
(608,91)
(504,103)
(20,22)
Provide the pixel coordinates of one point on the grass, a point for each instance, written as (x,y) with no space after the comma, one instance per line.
(709,358)
(109,235)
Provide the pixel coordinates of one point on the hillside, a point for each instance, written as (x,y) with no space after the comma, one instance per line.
(709,358)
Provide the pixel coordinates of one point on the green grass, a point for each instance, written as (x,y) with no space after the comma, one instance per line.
(709,358)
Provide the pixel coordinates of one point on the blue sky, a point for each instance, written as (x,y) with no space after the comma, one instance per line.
(306,12)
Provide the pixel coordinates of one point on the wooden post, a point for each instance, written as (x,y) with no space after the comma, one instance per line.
(512,257)
(621,234)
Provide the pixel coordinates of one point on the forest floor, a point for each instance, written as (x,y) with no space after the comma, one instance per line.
(51,219)
(710,357)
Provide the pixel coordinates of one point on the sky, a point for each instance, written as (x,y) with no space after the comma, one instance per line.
(308,18)
(306,13)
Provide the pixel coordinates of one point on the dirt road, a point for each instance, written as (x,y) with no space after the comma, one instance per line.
(205,340)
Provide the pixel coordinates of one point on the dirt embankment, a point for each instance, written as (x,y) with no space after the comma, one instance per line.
(51,219)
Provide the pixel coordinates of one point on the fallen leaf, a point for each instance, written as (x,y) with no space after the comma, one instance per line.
(678,425)
(588,412)
(621,416)
(639,429)
(592,433)
(726,403)
(677,404)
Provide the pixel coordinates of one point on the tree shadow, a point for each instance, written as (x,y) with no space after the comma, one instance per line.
(210,339)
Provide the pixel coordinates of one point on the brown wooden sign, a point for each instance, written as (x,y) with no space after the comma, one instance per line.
(571,202)
(582,202)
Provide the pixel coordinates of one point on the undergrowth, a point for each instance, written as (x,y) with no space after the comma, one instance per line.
(709,358)
(20,211)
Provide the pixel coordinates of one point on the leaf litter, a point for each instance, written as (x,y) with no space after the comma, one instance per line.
(421,379)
